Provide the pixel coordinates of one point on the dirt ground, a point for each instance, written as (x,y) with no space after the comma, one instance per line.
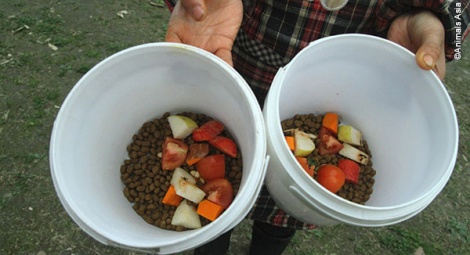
(47,46)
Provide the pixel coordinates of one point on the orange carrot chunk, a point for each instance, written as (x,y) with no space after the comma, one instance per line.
(304,163)
(171,198)
(192,161)
(209,209)
(330,122)
(290,142)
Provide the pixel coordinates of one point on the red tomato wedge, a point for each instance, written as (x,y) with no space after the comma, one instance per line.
(328,143)
(304,163)
(323,131)
(211,167)
(174,153)
(207,131)
(351,170)
(225,145)
(219,191)
(331,177)
(197,151)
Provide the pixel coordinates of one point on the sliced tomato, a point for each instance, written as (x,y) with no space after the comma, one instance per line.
(304,163)
(211,167)
(197,151)
(328,143)
(351,170)
(225,145)
(331,177)
(219,191)
(207,131)
(323,131)
(174,153)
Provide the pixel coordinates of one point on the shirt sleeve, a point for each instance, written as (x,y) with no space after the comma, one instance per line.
(454,15)
(170,4)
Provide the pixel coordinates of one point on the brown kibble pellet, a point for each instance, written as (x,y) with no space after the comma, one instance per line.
(357,193)
(133,193)
(179,228)
(126,192)
(146,183)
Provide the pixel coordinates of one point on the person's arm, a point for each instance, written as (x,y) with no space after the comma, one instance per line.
(434,30)
(211,25)
(422,33)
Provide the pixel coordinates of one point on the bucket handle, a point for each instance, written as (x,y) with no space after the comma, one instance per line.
(326,220)
(142,250)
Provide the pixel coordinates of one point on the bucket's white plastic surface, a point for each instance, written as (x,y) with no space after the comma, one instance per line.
(110,103)
(404,113)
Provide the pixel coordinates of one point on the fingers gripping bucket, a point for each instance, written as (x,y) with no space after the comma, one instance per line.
(111,102)
(404,113)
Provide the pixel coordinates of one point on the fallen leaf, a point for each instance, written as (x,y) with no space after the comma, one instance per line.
(419,251)
(20,29)
(122,13)
(4,62)
(156,4)
(52,46)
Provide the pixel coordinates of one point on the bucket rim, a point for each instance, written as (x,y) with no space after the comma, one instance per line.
(331,200)
(221,224)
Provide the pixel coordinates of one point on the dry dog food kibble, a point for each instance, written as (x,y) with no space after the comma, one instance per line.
(334,154)
(152,149)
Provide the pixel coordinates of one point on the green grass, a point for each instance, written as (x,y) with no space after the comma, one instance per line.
(35,79)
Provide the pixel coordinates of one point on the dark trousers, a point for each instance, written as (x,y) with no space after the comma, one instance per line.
(265,239)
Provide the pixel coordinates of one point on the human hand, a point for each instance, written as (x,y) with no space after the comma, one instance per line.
(211,25)
(422,33)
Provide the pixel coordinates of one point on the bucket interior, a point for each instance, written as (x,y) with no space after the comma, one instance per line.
(111,102)
(406,117)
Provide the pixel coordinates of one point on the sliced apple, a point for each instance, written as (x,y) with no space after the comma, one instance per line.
(304,144)
(185,186)
(353,153)
(186,216)
(349,134)
(181,126)
(181,174)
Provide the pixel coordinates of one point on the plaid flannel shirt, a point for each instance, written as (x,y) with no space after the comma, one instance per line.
(274,31)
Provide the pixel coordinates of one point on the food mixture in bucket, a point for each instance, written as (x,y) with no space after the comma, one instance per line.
(183,171)
(334,154)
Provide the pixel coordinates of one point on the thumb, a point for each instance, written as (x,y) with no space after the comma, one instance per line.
(171,36)
(196,8)
(429,52)
(225,55)
(431,56)
(430,40)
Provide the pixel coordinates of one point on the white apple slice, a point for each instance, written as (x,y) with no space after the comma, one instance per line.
(349,134)
(186,216)
(185,186)
(304,144)
(181,126)
(181,174)
(353,153)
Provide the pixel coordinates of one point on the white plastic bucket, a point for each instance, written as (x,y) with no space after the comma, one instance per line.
(111,102)
(404,113)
